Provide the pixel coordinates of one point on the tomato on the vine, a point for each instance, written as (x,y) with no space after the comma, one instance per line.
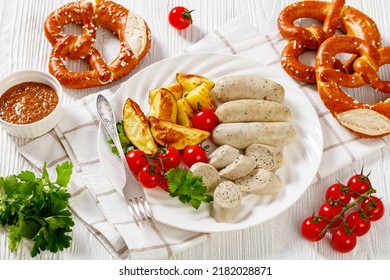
(180,17)
(358,184)
(170,157)
(338,193)
(164,184)
(358,223)
(312,227)
(343,241)
(136,160)
(205,119)
(193,154)
(150,176)
(373,207)
(329,211)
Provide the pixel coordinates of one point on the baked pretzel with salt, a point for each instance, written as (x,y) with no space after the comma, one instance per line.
(366,120)
(132,31)
(334,15)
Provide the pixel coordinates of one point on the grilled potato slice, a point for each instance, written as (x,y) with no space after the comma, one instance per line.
(191,81)
(184,113)
(201,94)
(164,106)
(136,127)
(176,89)
(170,134)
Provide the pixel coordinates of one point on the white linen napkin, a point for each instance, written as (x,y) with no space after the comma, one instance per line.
(96,202)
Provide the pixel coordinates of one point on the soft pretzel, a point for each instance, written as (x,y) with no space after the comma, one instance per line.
(366,120)
(132,31)
(334,15)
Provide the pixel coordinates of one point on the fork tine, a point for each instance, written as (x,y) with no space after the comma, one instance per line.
(147,210)
(141,211)
(137,216)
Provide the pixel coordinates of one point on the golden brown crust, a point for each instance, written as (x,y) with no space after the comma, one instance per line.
(366,65)
(104,14)
(333,15)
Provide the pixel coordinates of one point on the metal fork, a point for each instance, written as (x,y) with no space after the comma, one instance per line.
(133,193)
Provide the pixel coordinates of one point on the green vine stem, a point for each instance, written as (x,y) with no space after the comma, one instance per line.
(346,208)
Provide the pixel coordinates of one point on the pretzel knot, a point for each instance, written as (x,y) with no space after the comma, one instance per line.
(334,15)
(132,31)
(366,120)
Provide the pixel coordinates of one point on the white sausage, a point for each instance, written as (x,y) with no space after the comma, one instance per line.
(244,87)
(242,166)
(227,202)
(252,110)
(260,182)
(266,157)
(222,156)
(209,174)
(241,135)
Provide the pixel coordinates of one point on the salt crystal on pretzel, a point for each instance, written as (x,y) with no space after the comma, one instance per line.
(132,31)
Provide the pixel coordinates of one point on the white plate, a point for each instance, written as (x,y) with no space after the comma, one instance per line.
(302,157)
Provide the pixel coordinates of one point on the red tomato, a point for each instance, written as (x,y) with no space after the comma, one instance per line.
(164,184)
(193,154)
(171,158)
(136,160)
(373,207)
(205,119)
(338,193)
(357,224)
(358,184)
(329,211)
(150,177)
(312,227)
(343,241)
(180,18)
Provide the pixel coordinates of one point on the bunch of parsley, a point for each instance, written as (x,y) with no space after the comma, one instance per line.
(187,187)
(37,209)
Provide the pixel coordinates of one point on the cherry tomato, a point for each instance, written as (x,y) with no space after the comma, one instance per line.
(343,241)
(338,193)
(164,184)
(358,184)
(373,207)
(180,18)
(170,156)
(193,154)
(358,224)
(149,177)
(205,119)
(136,160)
(312,227)
(328,211)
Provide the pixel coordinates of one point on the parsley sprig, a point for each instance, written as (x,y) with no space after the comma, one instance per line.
(187,187)
(37,209)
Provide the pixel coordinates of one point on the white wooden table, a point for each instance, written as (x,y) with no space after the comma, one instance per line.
(23,46)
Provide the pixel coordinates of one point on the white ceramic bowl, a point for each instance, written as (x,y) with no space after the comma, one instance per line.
(44,125)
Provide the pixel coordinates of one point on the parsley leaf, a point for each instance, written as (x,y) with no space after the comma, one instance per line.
(125,142)
(187,187)
(36,208)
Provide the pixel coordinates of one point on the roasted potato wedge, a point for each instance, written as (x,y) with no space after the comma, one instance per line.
(184,113)
(171,134)
(136,127)
(176,89)
(201,94)
(164,106)
(191,81)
